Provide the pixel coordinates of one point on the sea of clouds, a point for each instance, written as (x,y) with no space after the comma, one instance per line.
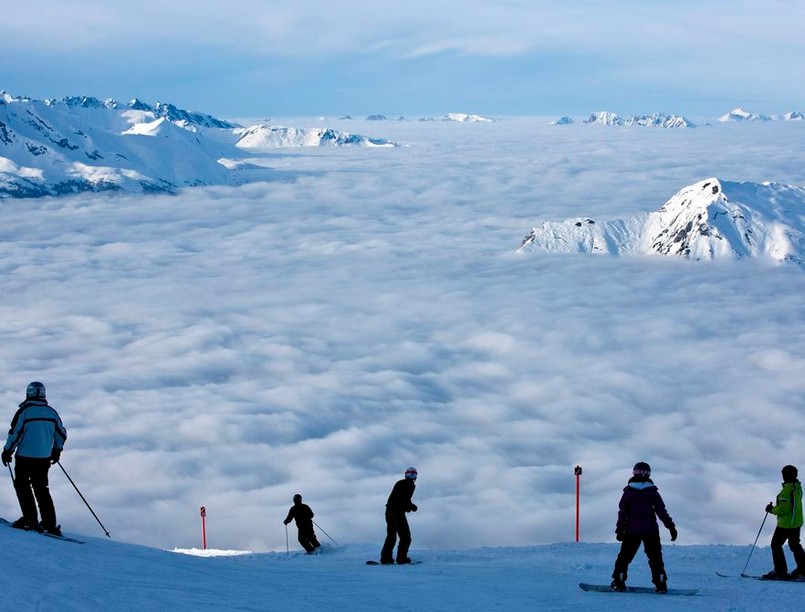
(366,311)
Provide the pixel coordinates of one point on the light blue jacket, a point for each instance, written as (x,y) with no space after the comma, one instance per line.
(36,430)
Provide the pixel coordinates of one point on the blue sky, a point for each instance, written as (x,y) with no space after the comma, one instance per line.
(250,58)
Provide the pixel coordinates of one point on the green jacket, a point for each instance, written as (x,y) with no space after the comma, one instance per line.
(788,508)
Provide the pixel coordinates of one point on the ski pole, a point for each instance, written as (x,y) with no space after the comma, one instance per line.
(325,533)
(83,499)
(287,548)
(755,544)
(12,474)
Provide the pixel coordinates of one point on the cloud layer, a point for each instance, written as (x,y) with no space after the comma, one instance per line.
(229,347)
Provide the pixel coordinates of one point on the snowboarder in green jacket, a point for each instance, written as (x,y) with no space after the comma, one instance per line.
(788,511)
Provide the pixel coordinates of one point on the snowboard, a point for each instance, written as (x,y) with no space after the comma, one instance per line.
(379,563)
(605,588)
(49,535)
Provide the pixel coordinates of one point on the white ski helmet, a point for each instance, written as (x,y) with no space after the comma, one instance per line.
(35,390)
(410,473)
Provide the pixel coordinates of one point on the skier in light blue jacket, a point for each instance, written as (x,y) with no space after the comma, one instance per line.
(38,435)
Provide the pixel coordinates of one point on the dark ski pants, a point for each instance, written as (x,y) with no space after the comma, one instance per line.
(629,547)
(307,538)
(396,526)
(31,480)
(791,535)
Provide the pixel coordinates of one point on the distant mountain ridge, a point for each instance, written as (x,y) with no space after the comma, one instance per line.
(711,219)
(80,143)
(263,136)
(449,117)
(160,109)
(662,120)
(665,120)
(738,115)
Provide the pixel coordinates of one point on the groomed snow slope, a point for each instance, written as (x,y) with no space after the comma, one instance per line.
(43,574)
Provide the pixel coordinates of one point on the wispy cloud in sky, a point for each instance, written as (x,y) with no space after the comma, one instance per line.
(248,57)
(230,347)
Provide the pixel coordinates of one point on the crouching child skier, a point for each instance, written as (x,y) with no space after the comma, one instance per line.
(639,508)
(304,524)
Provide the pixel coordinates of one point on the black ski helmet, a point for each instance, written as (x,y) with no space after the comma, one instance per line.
(641,468)
(35,390)
(297,498)
(789,473)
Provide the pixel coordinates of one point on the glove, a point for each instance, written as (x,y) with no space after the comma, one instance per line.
(672,531)
(55,454)
(7,456)
(619,536)
(285,522)
(413,508)
(770,507)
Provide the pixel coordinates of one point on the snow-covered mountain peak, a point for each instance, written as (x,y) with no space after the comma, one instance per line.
(663,120)
(739,114)
(269,136)
(151,128)
(711,219)
(185,118)
(604,118)
(83,102)
(137,104)
(467,118)
(694,222)
(715,218)
(695,197)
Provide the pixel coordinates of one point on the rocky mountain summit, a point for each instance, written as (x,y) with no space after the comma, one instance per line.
(711,219)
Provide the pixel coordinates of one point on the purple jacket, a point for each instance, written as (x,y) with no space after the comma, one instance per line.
(639,508)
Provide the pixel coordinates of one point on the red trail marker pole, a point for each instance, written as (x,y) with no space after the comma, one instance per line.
(203,528)
(578,496)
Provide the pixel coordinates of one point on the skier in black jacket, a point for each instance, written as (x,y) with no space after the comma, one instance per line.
(304,523)
(37,435)
(398,504)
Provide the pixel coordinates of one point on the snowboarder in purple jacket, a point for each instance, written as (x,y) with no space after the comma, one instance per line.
(640,507)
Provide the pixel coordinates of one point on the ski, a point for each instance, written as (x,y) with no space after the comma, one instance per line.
(754,577)
(44,533)
(605,588)
(379,563)
(64,538)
